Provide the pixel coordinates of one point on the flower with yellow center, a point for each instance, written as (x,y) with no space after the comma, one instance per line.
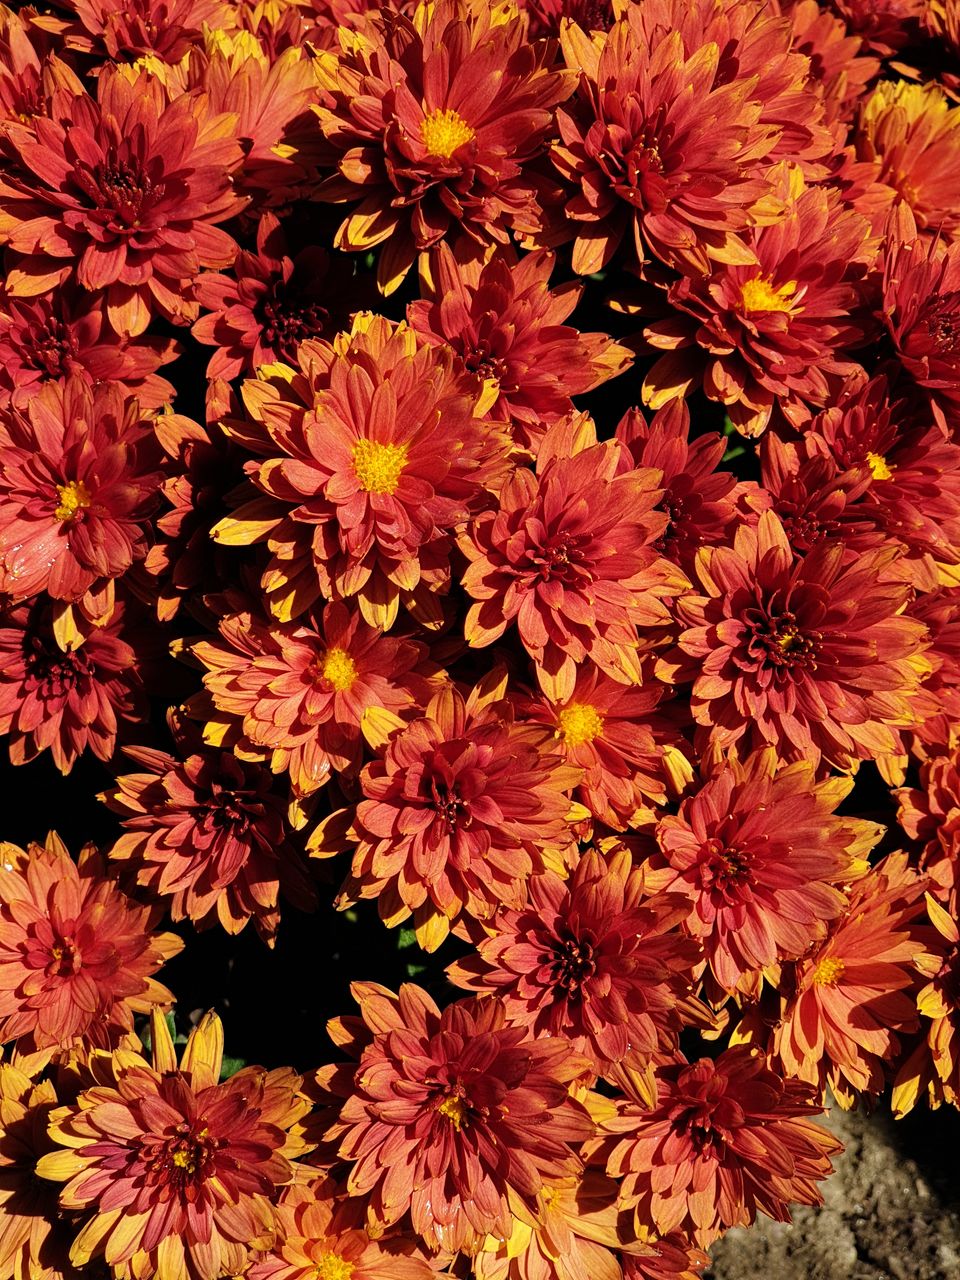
(444,131)
(339,669)
(579,723)
(880,469)
(74,496)
(759,294)
(378,466)
(330,1266)
(828,971)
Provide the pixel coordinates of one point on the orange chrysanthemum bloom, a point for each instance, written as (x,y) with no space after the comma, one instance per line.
(911,133)
(682,106)
(570,557)
(770,333)
(807,654)
(125,190)
(930,815)
(35,1235)
(507,327)
(322,1236)
(727,1139)
(761,856)
(177,1171)
(295,694)
(77,954)
(375,453)
(855,994)
(593,960)
(138,28)
(632,754)
(454,1116)
(436,120)
(463,806)
(934,1066)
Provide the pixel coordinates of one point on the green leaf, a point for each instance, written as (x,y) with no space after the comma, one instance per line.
(231,1066)
(407,938)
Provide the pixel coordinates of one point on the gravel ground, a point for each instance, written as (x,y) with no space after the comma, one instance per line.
(891,1210)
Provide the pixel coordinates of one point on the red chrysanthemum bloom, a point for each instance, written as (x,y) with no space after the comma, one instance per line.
(938,704)
(569,557)
(631,754)
(930,815)
(507,327)
(454,1115)
(436,120)
(167,28)
(771,333)
(207,834)
(66,701)
(885,26)
(126,191)
(77,954)
(64,332)
(322,1236)
(911,133)
(726,1140)
(854,996)
(177,1171)
(298,693)
(459,811)
(545,17)
(701,502)
(78,482)
(838,64)
(682,105)
(670,1257)
(270,303)
(592,960)
(809,655)
(921,311)
(761,856)
(381,455)
(35,1235)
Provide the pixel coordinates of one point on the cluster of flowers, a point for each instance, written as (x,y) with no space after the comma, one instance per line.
(582,701)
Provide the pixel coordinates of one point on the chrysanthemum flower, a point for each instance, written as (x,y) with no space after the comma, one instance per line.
(761,856)
(321,1236)
(78,482)
(299,692)
(938,1001)
(545,17)
(66,701)
(436,120)
(854,994)
(921,311)
(701,502)
(454,1115)
(726,1140)
(507,327)
(930,816)
(938,704)
(912,134)
(35,1236)
(569,557)
(772,332)
(809,655)
(375,453)
(65,332)
(270,303)
(670,1257)
(77,954)
(681,107)
(631,753)
(592,960)
(166,28)
(838,63)
(125,190)
(207,833)
(458,812)
(176,1170)
(885,26)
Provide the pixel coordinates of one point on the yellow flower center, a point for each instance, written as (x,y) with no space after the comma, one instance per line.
(378,467)
(74,497)
(578,723)
(828,971)
(185,1160)
(760,295)
(879,467)
(443,131)
(453,1109)
(339,668)
(329,1266)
